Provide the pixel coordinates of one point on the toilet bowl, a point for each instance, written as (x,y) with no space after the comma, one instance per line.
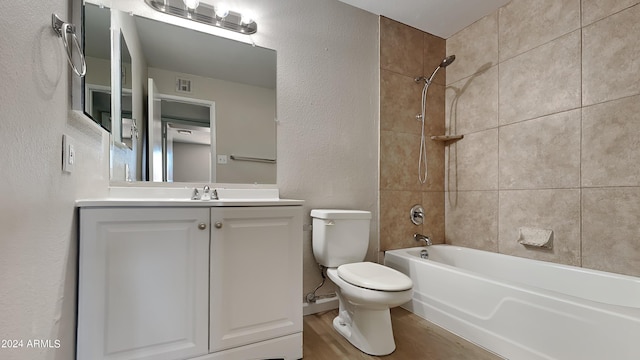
(366,290)
(364,318)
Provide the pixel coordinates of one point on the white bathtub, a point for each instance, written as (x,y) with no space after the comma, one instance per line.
(524,309)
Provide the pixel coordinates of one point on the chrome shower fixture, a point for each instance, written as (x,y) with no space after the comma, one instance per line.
(445,62)
(422,161)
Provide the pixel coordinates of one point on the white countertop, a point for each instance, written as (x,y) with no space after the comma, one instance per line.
(181,197)
(162,202)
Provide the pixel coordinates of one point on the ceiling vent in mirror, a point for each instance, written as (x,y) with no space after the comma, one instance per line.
(217,16)
(183,85)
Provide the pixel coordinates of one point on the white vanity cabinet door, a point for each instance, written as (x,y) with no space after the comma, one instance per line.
(143,283)
(256,274)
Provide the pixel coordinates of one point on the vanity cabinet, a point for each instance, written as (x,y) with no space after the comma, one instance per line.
(143,283)
(256,274)
(199,283)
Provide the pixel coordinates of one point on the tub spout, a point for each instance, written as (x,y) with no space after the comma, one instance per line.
(420,237)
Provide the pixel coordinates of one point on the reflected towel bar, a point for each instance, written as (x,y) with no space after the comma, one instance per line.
(254,159)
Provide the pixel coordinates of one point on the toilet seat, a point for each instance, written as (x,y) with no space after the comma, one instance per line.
(374,276)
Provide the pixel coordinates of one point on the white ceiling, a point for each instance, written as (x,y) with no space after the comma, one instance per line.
(442,18)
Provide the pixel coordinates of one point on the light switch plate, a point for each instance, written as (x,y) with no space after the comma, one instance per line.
(68,154)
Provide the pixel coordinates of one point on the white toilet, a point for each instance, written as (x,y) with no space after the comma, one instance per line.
(366,290)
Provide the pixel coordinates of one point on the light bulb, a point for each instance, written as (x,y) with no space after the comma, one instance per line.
(247,18)
(191,4)
(222,11)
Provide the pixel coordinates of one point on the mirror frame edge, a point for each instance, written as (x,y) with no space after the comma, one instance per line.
(77,83)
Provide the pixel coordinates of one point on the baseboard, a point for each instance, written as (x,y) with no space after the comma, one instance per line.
(319,306)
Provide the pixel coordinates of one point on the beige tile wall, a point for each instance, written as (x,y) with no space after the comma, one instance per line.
(547,94)
(406,53)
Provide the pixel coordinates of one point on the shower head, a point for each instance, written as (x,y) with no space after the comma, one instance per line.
(448,60)
(445,62)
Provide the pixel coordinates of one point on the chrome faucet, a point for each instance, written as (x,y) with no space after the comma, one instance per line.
(420,237)
(206,194)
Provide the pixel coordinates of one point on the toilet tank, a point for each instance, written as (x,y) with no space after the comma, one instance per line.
(340,236)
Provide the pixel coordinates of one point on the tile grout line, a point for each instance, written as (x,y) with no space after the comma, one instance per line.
(581,125)
(498,147)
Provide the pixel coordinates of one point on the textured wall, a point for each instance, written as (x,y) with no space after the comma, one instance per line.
(37,223)
(546,94)
(406,53)
(327,147)
(328,88)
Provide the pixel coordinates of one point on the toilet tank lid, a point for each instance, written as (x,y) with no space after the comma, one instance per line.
(374,276)
(340,214)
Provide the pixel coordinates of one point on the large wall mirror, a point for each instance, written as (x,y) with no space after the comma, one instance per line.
(190,106)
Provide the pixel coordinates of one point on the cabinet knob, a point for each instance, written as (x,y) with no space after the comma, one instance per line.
(218,225)
(202,226)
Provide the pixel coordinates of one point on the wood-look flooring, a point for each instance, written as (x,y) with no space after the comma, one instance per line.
(416,339)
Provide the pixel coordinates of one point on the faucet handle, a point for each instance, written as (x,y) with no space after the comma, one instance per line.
(417,214)
(196,194)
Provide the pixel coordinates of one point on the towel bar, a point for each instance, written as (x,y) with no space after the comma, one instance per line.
(254,159)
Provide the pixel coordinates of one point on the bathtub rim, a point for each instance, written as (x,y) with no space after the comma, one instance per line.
(614,309)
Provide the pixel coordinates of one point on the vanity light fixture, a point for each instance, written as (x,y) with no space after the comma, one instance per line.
(218,16)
